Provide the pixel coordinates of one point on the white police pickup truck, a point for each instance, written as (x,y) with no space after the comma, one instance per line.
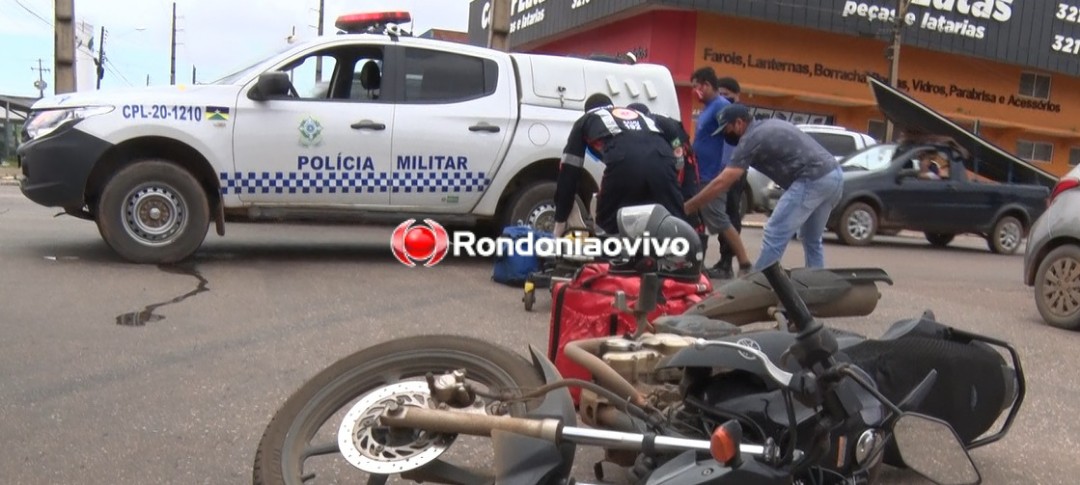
(399,127)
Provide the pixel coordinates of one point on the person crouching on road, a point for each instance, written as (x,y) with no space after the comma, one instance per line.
(639,164)
(685,162)
(810,175)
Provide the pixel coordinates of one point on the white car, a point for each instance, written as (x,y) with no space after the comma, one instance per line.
(403,128)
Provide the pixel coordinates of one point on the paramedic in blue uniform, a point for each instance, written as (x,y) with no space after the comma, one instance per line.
(639,164)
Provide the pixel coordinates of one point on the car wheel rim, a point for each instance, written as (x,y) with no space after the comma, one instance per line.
(1061,287)
(1009,238)
(860,224)
(154,215)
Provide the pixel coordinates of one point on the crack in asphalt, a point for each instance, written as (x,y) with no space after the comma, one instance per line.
(146,315)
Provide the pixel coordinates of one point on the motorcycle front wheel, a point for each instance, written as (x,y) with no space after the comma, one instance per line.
(327,431)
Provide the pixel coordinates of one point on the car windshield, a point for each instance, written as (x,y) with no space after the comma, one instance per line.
(876,157)
(235,76)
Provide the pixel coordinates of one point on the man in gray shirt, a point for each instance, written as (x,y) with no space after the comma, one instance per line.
(810,175)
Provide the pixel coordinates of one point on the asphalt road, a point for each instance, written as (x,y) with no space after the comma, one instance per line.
(118,373)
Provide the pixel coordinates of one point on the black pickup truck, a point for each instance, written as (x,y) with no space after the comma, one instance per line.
(980,189)
(885,189)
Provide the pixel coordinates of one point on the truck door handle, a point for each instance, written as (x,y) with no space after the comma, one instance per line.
(484,127)
(368,125)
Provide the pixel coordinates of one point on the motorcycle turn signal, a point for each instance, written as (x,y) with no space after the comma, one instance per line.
(724,443)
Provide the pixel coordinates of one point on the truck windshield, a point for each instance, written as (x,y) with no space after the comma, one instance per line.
(876,157)
(251,66)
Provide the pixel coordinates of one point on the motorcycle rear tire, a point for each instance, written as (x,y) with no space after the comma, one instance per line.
(279,458)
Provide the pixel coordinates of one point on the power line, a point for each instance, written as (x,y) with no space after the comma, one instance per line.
(116,71)
(35,14)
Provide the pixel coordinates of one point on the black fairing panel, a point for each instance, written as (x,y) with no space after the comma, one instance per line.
(521,459)
(773,343)
(693,468)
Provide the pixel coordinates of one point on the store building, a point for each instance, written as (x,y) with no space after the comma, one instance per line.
(1007,69)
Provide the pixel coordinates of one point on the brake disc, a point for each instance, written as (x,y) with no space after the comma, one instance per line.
(380,450)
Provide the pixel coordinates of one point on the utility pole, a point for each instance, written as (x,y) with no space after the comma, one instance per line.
(172,55)
(40,84)
(101,58)
(499,35)
(318,61)
(8,131)
(64,47)
(193,74)
(894,55)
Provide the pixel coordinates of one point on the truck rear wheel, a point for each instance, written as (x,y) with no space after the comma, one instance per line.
(1006,236)
(534,205)
(153,212)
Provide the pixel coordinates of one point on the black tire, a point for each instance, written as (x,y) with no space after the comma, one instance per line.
(534,205)
(322,400)
(153,212)
(1007,235)
(939,239)
(1057,287)
(857,224)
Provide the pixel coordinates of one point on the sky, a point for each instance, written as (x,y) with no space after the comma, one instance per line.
(216,36)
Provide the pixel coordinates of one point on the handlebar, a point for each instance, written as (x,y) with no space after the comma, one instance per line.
(813,347)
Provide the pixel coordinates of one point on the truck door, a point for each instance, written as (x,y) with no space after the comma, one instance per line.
(940,205)
(451,127)
(328,144)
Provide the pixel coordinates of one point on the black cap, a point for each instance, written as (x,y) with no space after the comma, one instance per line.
(639,107)
(729,114)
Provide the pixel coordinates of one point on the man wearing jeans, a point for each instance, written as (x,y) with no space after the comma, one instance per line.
(809,174)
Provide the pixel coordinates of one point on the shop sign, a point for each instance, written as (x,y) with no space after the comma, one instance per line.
(859,76)
(955,17)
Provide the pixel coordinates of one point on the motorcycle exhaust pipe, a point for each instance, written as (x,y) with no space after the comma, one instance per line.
(546,429)
(585,353)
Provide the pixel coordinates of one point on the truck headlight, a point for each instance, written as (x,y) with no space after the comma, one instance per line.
(44,122)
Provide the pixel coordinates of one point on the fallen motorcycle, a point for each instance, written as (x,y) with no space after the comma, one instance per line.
(404,407)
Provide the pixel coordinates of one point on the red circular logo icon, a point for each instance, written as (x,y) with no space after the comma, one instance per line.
(427,243)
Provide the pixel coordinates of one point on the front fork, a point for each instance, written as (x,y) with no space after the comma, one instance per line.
(540,447)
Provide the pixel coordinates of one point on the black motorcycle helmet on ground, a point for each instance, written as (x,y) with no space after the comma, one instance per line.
(656,223)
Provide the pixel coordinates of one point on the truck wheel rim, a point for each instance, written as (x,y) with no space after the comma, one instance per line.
(542,217)
(1009,237)
(1061,287)
(860,224)
(154,215)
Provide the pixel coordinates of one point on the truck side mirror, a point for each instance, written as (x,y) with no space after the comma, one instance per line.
(270,85)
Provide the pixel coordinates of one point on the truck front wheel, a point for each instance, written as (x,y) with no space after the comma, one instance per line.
(534,205)
(153,212)
(857,224)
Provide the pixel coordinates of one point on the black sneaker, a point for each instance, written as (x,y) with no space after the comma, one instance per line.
(715,273)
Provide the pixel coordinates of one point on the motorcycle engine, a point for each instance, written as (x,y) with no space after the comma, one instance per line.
(636,360)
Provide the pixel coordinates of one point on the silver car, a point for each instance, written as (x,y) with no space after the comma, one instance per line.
(1052,258)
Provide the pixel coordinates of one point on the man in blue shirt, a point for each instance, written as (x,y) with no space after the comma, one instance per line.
(713,154)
